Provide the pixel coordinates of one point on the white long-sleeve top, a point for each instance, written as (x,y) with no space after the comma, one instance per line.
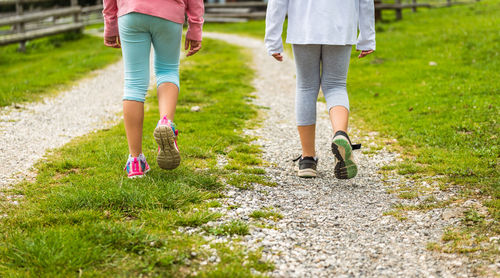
(333,22)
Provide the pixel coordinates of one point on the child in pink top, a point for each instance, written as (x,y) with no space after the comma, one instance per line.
(135,25)
(173,10)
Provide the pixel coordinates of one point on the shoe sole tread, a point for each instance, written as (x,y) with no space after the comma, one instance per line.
(345,168)
(168,157)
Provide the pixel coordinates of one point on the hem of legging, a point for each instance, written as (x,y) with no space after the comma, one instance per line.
(347,107)
(166,81)
(302,124)
(134,99)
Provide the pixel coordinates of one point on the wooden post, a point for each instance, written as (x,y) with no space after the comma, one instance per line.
(76,17)
(399,11)
(378,12)
(20,25)
(414,8)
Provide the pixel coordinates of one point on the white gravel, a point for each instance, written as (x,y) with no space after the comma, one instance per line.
(29,130)
(331,228)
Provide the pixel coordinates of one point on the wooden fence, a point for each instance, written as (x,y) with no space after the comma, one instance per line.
(35,23)
(235,11)
(398,6)
(243,11)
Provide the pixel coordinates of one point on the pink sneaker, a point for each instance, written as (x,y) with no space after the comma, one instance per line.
(136,167)
(168,152)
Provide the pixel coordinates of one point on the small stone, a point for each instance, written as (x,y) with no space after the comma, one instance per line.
(450,213)
(456,263)
(494,238)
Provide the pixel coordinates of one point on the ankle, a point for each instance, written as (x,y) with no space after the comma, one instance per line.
(135,155)
(342,133)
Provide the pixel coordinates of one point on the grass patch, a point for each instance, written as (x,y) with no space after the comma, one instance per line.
(244,162)
(267,213)
(398,214)
(246,181)
(230,228)
(82,216)
(443,116)
(408,195)
(230,266)
(254,171)
(48,64)
(254,28)
(428,203)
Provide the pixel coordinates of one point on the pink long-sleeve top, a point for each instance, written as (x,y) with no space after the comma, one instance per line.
(173,10)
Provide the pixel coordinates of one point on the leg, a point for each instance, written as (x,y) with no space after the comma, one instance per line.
(307,60)
(167,100)
(136,45)
(339,117)
(166,36)
(133,118)
(333,82)
(307,135)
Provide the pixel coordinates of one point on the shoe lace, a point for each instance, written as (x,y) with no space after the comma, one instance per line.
(300,156)
(355,146)
(297,159)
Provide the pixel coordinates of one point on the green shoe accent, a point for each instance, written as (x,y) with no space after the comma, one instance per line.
(345,168)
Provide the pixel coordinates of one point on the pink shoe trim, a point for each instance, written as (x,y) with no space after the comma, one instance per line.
(134,168)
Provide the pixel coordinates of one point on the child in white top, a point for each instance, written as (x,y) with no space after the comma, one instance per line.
(322,33)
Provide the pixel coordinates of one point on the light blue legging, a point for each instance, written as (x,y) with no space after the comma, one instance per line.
(320,65)
(137,32)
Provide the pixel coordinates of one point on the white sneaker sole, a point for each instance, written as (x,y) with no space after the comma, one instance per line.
(307,173)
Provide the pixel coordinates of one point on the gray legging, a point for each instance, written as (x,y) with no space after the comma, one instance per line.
(310,59)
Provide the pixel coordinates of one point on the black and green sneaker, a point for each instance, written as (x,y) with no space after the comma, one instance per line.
(345,167)
(307,166)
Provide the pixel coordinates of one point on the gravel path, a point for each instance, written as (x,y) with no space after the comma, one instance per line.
(29,130)
(331,228)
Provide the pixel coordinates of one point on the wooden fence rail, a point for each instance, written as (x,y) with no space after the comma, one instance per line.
(398,6)
(242,11)
(36,24)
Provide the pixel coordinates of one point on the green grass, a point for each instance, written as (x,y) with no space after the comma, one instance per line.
(254,29)
(445,117)
(267,213)
(82,216)
(230,228)
(49,64)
